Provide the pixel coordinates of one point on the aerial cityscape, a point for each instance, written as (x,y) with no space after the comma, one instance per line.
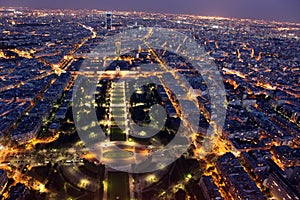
(77,124)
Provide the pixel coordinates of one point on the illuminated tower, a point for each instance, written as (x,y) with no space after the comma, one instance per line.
(108,20)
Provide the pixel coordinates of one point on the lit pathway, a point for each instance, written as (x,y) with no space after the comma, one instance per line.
(118,126)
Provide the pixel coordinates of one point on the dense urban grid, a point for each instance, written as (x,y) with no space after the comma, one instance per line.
(256,155)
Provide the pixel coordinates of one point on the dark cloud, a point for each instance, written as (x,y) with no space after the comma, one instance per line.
(280,10)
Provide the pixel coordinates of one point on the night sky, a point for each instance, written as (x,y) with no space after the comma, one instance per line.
(279,10)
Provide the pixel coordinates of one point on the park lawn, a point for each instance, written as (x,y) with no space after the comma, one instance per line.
(118,186)
(116,134)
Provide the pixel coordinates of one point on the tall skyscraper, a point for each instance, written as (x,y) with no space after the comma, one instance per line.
(108,20)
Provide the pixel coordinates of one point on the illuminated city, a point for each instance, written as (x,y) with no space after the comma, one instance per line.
(46,57)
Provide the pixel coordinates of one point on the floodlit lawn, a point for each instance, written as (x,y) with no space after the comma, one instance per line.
(118,186)
(119,111)
(116,101)
(116,134)
(118,154)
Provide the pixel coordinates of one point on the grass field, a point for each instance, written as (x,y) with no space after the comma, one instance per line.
(116,134)
(118,154)
(118,111)
(117,101)
(118,186)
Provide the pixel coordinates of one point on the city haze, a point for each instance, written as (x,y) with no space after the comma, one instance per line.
(277,10)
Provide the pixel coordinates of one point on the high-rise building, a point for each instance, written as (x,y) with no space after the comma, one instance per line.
(108,20)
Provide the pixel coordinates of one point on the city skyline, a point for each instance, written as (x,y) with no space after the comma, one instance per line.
(100,104)
(274,10)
